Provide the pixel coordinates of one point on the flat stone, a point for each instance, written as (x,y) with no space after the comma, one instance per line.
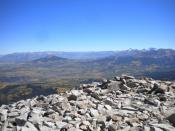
(60,124)
(124,87)
(48,124)
(108,107)
(136,128)
(83,127)
(13,114)
(35,117)
(146,128)
(3,115)
(74,129)
(128,77)
(45,128)
(76,92)
(129,108)
(81,104)
(67,119)
(28,127)
(87,123)
(166,127)
(93,112)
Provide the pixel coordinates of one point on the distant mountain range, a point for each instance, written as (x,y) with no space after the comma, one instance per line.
(83,65)
(23,57)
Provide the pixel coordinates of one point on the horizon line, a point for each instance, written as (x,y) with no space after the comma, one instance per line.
(81,51)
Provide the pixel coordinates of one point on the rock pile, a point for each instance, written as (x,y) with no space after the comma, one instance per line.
(124,104)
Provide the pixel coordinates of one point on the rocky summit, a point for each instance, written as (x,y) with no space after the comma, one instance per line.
(123,103)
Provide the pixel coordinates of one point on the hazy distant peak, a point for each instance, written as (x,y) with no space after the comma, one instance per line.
(22,57)
(50,58)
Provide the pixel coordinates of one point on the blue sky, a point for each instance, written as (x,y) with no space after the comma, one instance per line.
(86,25)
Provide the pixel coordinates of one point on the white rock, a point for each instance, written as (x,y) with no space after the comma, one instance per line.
(60,124)
(29,127)
(13,114)
(87,123)
(93,112)
(76,92)
(108,107)
(164,127)
(3,115)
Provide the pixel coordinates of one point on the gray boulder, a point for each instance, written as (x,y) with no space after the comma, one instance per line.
(171,119)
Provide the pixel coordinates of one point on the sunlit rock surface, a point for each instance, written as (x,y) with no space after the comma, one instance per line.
(123,103)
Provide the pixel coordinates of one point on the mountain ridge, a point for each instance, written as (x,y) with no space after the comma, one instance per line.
(50,58)
(84,55)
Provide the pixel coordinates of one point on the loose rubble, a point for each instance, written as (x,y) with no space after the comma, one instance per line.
(123,103)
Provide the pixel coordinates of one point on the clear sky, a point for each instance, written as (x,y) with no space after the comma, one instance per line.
(86,25)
